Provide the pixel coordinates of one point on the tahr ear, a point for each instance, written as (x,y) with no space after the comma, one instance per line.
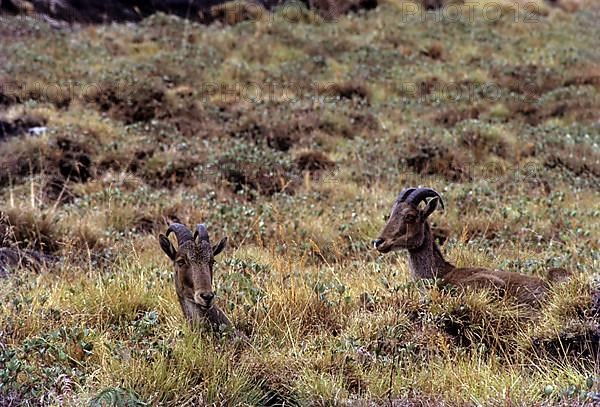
(167,247)
(433,203)
(218,248)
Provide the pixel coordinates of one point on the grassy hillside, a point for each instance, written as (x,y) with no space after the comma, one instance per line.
(292,135)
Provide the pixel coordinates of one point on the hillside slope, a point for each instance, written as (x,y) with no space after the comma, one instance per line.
(292,134)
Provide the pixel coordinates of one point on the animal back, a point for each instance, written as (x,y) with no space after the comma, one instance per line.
(525,289)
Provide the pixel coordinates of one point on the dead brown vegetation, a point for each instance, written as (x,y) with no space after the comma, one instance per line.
(579,159)
(265,180)
(29,230)
(18,160)
(6,99)
(428,158)
(434,51)
(572,109)
(528,79)
(426,86)
(163,169)
(236,12)
(481,146)
(350,90)
(148,100)
(314,161)
(298,130)
(130,104)
(282,133)
(450,116)
(331,9)
(438,4)
(62,161)
(69,161)
(533,80)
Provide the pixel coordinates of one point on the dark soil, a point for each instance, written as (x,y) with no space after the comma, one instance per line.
(74,163)
(14,258)
(241,176)
(438,4)
(19,126)
(5,99)
(331,9)
(69,162)
(180,172)
(578,346)
(130,104)
(281,135)
(204,11)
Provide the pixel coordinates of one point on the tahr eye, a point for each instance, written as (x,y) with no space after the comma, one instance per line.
(181,262)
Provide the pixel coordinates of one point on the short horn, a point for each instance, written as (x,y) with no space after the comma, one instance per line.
(418,195)
(182,233)
(201,232)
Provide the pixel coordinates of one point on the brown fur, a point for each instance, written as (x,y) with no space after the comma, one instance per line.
(408,228)
(193,263)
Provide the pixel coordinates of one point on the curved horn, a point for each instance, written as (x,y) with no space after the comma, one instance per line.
(182,233)
(201,231)
(418,195)
(404,194)
(401,198)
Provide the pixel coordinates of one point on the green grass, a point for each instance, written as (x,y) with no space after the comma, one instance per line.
(168,120)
